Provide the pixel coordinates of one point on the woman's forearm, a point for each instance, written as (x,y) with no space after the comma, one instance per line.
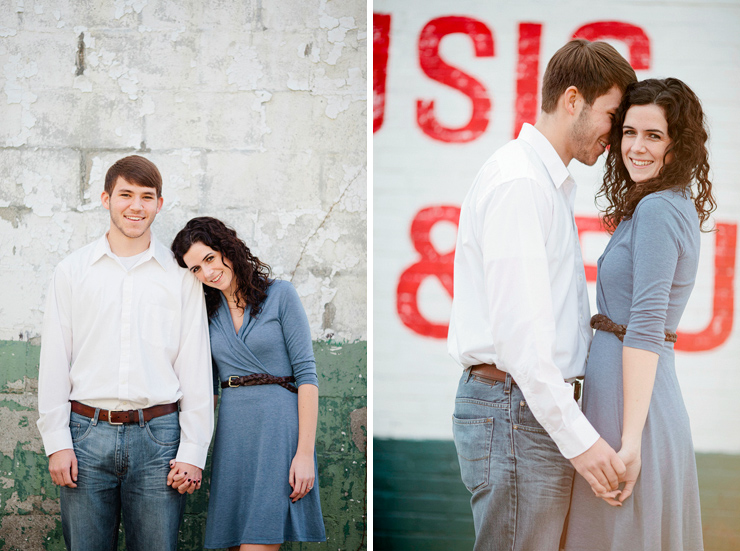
(638,377)
(308,414)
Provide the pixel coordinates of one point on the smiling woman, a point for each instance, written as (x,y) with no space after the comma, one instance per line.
(262,354)
(645,142)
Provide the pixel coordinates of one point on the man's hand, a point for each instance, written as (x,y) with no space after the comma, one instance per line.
(601,467)
(301,477)
(184,477)
(63,468)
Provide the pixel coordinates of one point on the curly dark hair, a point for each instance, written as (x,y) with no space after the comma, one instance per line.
(252,275)
(688,133)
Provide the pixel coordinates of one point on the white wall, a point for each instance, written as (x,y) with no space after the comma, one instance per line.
(254,112)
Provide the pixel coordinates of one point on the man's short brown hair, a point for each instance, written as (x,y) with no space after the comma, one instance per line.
(136,170)
(592,67)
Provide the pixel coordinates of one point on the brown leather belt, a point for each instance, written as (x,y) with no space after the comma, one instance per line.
(600,322)
(493,373)
(123,417)
(260,379)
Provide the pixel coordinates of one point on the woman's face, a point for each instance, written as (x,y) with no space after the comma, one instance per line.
(644,141)
(210,267)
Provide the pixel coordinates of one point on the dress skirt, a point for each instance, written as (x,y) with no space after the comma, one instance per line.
(663,513)
(256,440)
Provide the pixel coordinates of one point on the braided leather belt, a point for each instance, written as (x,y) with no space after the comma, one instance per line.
(492,373)
(123,417)
(260,379)
(602,323)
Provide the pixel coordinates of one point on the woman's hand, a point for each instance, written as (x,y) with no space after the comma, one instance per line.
(302,475)
(184,477)
(632,460)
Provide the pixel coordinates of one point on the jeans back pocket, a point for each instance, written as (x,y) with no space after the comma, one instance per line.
(473,438)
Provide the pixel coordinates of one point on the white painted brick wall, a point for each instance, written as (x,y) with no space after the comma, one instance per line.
(253,111)
(414,378)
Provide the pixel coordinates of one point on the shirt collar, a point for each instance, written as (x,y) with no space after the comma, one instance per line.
(547,154)
(156,250)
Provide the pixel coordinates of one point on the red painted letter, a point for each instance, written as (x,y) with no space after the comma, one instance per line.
(635,38)
(381,40)
(723,305)
(432,263)
(527,75)
(438,70)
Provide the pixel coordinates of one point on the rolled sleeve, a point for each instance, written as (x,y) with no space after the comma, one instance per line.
(194,371)
(297,335)
(656,247)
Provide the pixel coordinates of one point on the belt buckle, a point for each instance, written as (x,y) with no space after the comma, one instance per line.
(110,417)
(577,389)
(230,381)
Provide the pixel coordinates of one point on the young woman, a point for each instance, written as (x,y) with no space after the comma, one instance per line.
(264,487)
(645,277)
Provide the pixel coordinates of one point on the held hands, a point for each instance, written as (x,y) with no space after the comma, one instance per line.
(602,468)
(184,477)
(301,477)
(633,461)
(63,468)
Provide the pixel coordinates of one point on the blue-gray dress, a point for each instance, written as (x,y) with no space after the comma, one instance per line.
(645,277)
(257,430)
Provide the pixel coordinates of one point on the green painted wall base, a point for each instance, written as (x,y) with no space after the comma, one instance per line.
(419,502)
(29,502)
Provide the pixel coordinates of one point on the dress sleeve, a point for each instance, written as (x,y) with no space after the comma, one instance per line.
(656,248)
(297,335)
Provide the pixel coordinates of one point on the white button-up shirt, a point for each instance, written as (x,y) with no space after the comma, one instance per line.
(122,340)
(520,298)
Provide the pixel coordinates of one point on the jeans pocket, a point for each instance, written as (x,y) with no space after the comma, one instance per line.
(473,439)
(164,430)
(526,419)
(79,427)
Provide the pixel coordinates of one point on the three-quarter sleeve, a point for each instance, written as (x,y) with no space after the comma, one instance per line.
(297,335)
(656,249)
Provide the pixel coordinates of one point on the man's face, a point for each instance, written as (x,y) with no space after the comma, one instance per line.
(132,208)
(590,132)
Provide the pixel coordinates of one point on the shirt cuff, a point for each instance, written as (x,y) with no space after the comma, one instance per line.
(575,438)
(193,454)
(56,441)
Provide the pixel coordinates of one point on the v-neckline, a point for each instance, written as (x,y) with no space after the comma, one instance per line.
(236,329)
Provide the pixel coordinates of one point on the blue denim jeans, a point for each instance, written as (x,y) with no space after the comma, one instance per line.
(520,482)
(122,471)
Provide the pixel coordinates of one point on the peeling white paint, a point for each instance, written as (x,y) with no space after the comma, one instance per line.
(147,105)
(19,92)
(6,32)
(128,6)
(83,83)
(245,71)
(297,83)
(38,193)
(337,104)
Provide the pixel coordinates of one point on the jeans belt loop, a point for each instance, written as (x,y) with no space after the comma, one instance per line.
(507,384)
(469,371)
(141,417)
(95,417)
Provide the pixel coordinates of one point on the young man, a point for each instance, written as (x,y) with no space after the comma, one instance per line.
(125,376)
(520,314)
